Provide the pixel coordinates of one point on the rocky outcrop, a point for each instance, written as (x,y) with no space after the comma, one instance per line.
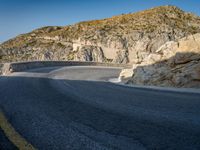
(174,64)
(1,66)
(128,38)
(89,53)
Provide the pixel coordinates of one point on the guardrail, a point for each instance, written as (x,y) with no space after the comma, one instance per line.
(8,68)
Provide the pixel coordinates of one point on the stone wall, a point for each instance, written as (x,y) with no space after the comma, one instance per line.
(8,68)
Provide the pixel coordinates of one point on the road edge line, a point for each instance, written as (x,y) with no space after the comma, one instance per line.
(15,138)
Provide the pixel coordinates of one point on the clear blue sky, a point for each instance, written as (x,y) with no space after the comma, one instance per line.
(21,16)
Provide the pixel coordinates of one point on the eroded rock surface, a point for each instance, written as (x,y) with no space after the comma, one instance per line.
(174,64)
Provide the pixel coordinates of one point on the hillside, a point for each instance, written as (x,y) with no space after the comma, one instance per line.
(125,38)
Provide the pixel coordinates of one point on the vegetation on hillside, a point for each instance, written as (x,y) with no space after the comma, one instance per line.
(117,27)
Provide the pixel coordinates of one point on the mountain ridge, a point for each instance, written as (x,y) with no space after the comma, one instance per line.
(119,39)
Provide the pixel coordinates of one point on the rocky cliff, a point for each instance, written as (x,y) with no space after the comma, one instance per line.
(128,38)
(174,64)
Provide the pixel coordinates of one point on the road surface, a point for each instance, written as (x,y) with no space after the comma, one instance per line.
(64,108)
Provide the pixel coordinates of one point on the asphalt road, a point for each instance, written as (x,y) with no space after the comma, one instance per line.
(76,108)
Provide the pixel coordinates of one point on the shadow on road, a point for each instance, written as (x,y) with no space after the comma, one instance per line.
(43,110)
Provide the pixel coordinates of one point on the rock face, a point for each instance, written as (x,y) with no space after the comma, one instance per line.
(1,66)
(89,53)
(122,39)
(174,64)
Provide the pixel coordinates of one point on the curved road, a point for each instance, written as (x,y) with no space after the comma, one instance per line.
(76,108)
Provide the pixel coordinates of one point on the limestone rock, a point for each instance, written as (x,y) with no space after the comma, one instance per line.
(90,53)
(175,64)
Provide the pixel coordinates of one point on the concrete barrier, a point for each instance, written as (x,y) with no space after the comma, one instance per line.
(8,68)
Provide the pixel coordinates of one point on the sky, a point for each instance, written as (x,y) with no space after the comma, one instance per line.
(22,16)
